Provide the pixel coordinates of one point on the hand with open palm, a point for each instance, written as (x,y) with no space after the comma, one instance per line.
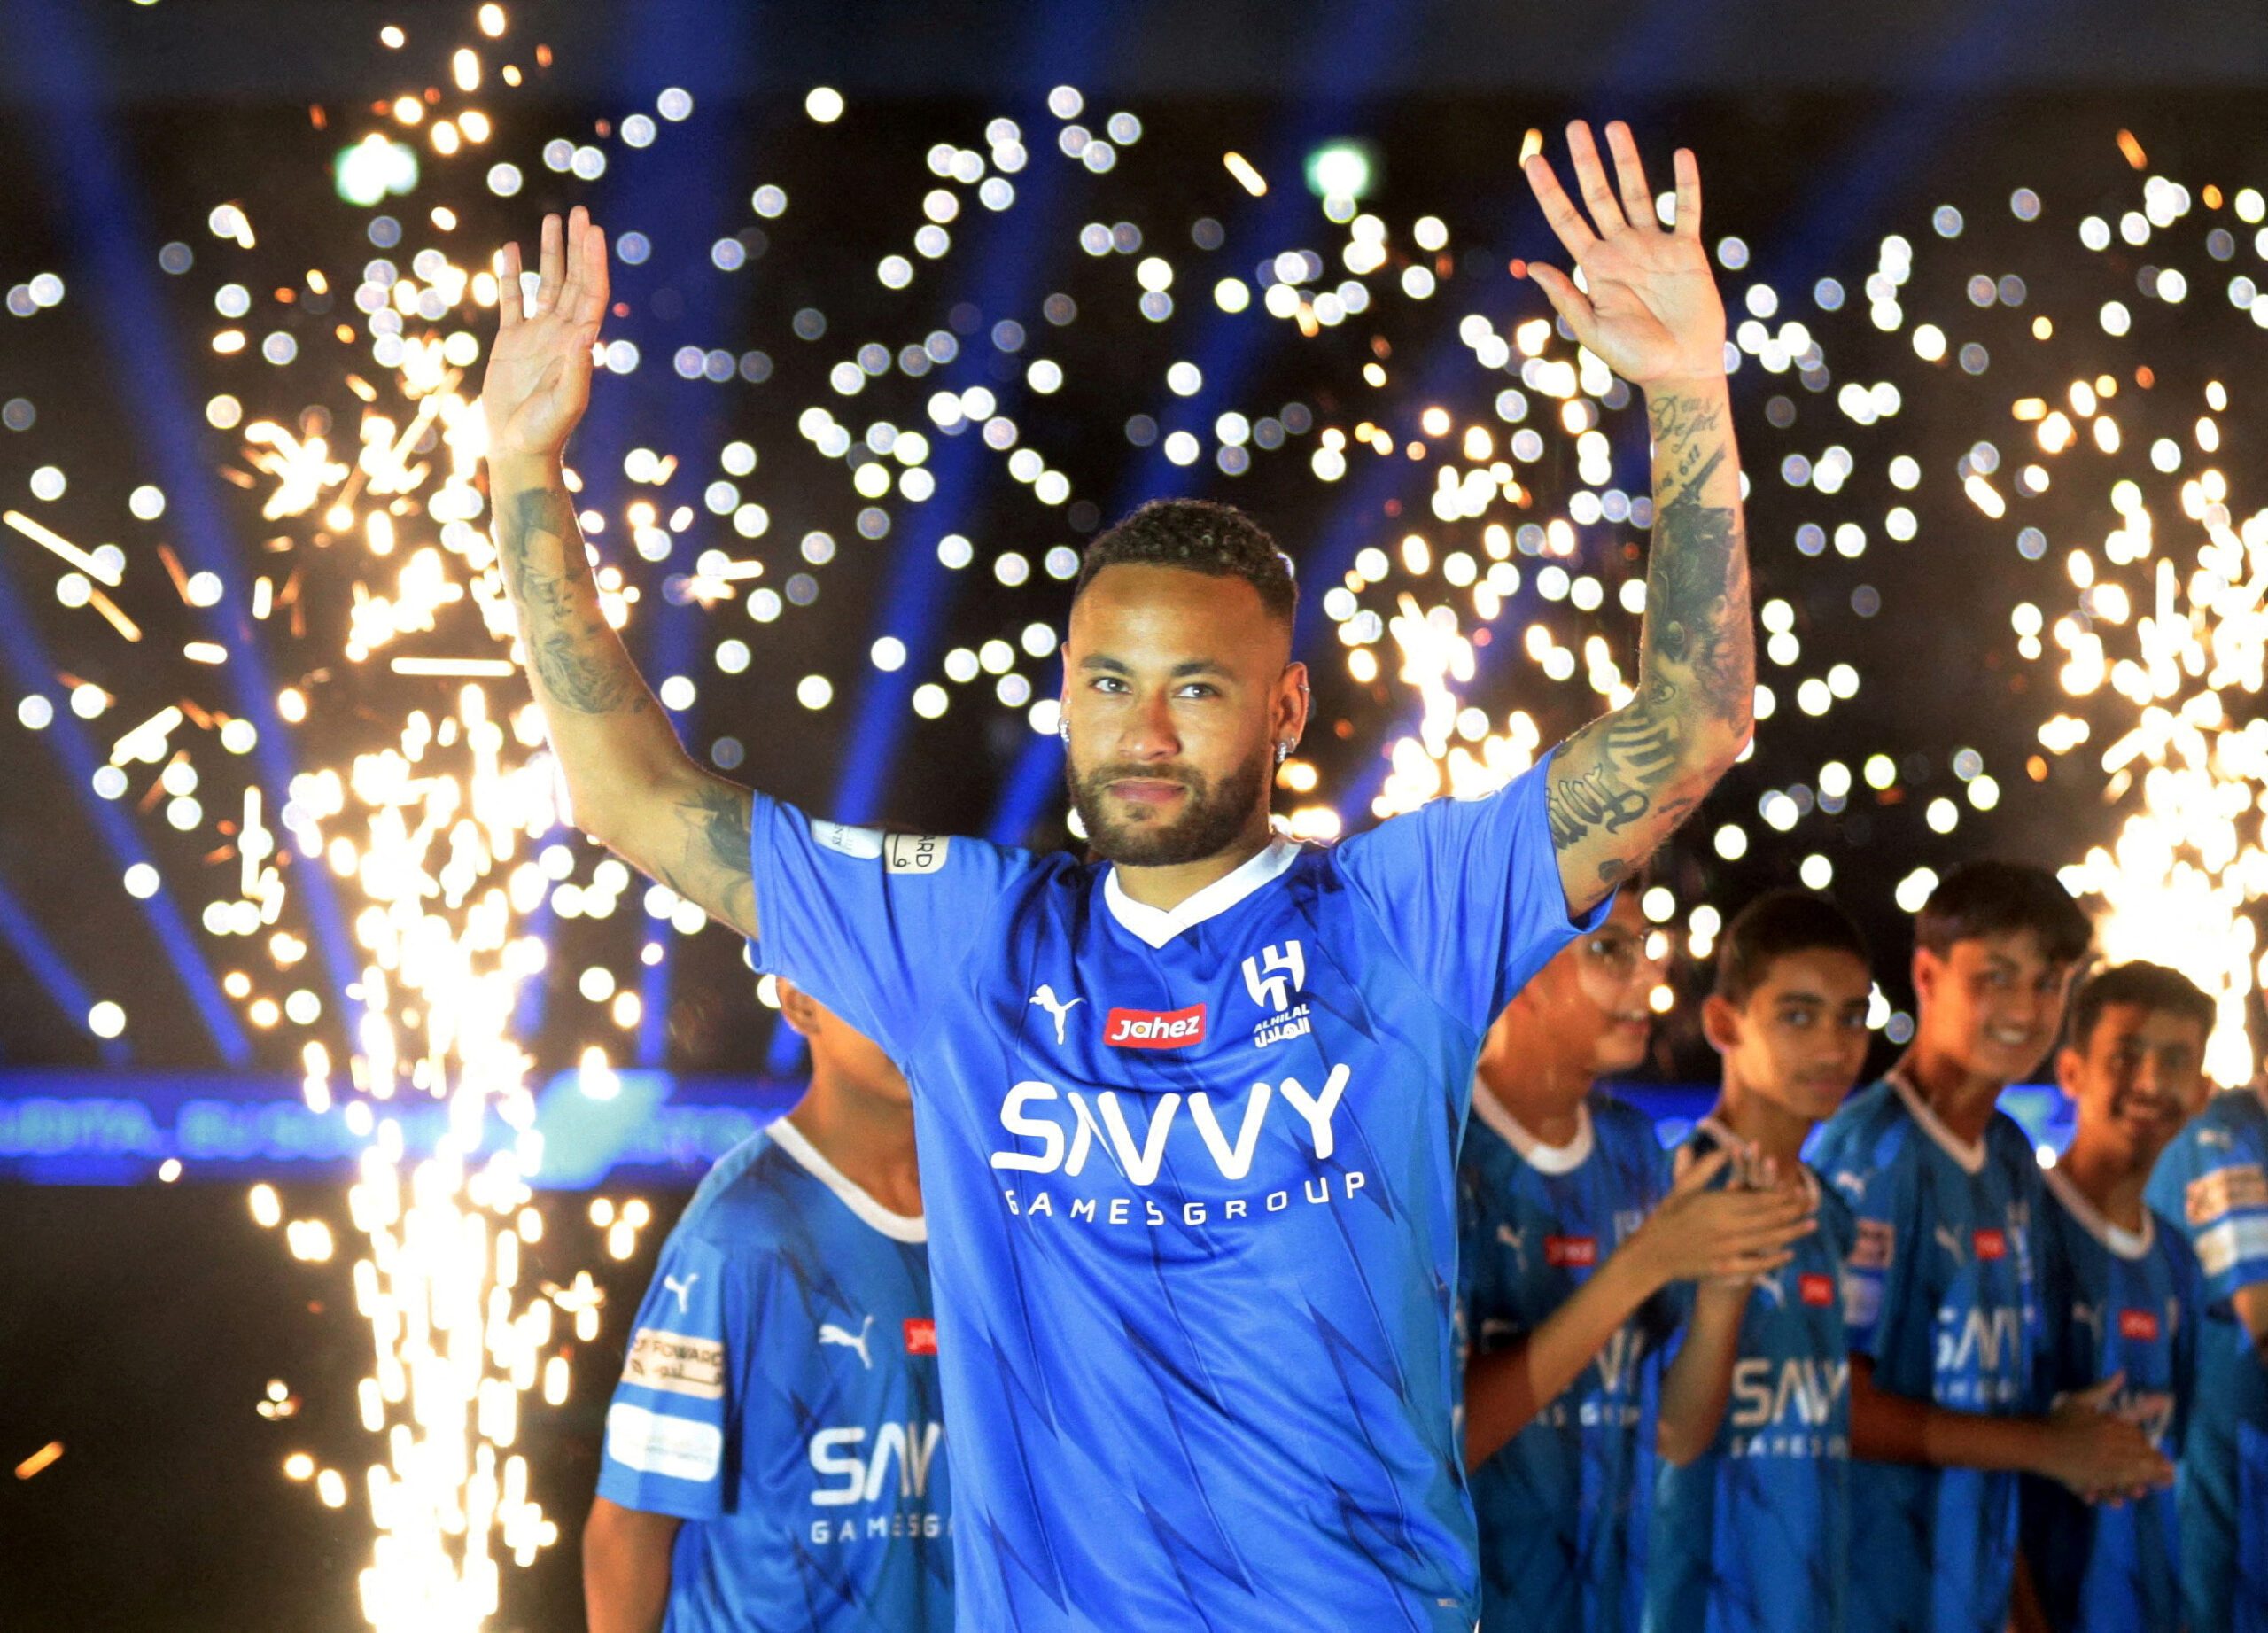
(539,379)
(1651,309)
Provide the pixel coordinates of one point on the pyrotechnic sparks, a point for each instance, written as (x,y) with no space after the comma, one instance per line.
(1494,481)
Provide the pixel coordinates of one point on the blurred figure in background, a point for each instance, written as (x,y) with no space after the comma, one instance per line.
(774,1454)
(2120,1297)
(1751,1517)
(1572,1232)
(2213,1182)
(1940,1291)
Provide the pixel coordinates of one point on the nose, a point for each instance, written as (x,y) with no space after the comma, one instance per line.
(1146,730)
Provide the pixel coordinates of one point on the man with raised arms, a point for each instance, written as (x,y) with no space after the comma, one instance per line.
(1188,1115)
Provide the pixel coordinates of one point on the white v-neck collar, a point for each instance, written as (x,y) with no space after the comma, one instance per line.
(2125,1243)
(1157,926)
(1971,1157)
(1725,1136)
(1542,1158)
(805,1155)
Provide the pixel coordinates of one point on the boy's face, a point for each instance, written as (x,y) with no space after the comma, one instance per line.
(1990,1002)
(1595,1000)
(1801,1040)
(2138,1078)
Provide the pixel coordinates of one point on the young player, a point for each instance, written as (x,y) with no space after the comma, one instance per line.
(1940,1290)
(774,1454)
(2213,1181)
(1189,1120)
(1751,1515)
(1568,1239)
(2119,1293)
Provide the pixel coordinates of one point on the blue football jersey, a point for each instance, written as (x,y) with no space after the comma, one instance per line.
(2111,1301)
(1938,1293)
(1754,1535)
(2213,1181)
(1562,1505)
(1192,1176)
(780,1397)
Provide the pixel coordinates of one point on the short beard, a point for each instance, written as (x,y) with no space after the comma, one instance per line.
(1216,813)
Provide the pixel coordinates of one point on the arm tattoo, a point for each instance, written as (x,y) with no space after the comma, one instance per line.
(577,661)
(713,869)
(1694,622)
(1621,784)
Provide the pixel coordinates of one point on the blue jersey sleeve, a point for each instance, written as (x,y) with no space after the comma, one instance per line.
(671,1427)
(2223,1203)
(1468,892)
(872,925)
(1874,1202)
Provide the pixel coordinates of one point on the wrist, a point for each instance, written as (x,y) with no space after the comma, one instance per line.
(517,468)
(1679,386)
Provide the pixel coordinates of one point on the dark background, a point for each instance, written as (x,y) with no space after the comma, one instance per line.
(141,1324)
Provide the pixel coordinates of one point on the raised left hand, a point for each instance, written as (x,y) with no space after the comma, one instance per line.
(1652,312)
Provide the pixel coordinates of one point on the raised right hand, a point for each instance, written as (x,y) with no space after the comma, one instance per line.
(1698,1233)
(539,379)
(2098,1454)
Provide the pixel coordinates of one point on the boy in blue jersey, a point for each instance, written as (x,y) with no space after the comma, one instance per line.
(1939,1292)
(775,1455)
(1572,1231)
(1751,1515)
(2119,1294)
(2213,1181)
(1188,1117)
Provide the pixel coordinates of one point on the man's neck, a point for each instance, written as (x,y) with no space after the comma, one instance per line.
(1963,1100)
(867,1136)
(1770,1127)
(2112,1185)
(1167,887)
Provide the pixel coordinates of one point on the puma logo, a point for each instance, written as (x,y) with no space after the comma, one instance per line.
(683,1289)
(1056,1007)
(830,1333)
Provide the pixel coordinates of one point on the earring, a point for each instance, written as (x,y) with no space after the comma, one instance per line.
(1283,752)
(1063,730)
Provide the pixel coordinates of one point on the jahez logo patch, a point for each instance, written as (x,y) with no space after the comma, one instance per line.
(1990,1245)
(1571,1252)
(1818,1291)
(1154,1029)
(2140,1326)
(920,1336)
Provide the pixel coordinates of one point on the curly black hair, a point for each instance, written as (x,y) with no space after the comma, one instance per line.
(1216,539)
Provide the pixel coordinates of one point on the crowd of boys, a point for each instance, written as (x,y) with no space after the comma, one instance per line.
(1862,1361)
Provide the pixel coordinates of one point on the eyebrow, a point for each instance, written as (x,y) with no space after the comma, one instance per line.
(1190,666)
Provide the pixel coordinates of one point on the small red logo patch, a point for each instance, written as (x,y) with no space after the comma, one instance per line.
(1571,1252)
(1816,1289)
(2142,1326)
(920,1336)
(1992,1245)
(1154,1029)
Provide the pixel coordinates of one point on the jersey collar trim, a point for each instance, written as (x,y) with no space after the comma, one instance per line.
(805,1155)
(1542,1158)
(1725,1137)
(2127,1244)
(1971,1157)
(1157,926)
